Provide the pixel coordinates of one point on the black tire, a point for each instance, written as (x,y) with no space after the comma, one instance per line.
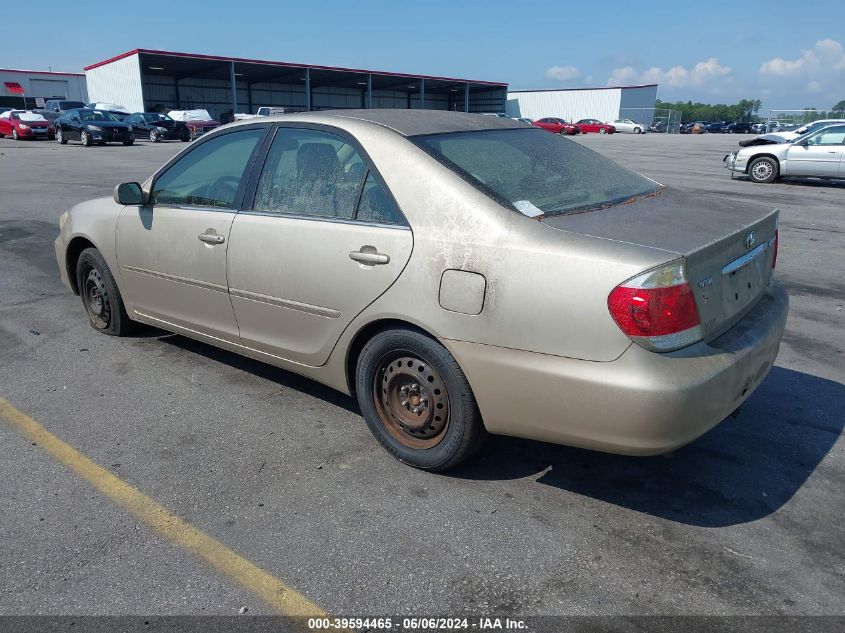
(434,377)
(60,137)
(100,295)
(154,136)
(85,138)
(638,130)
(763,170)
(602,130)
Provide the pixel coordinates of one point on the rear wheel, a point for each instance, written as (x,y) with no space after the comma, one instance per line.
(602,130)
(417,401)
(638,130)
(100,295)
(763,169)
(60,137)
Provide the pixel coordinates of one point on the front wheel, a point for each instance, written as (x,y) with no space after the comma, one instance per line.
(638,130)
(416,400)
(85,137)
(763,169)
(100,295)
(153,136)
(15,134)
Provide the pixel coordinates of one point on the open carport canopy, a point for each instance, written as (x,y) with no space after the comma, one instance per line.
(306,87)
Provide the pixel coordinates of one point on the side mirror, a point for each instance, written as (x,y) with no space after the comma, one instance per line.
(129,193)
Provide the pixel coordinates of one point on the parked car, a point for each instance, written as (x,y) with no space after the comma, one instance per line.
(25,124)
(758,128)
(157,127)
(198,122)
(783,135)
(658,127)
(716,127)
(594,125)
(54,108)
(628,126)
(262,111)
(118,111)
(819,154)
(738,127)
(407,304)
(557,126)
(92,126)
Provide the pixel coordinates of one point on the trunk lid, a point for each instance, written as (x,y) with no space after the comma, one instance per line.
(728,250)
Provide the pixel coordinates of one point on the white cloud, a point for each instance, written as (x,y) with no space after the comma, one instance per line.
(825,57)
(702,73)
(563,73)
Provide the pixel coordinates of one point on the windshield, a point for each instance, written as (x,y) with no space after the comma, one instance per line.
(96,115)
(535,172)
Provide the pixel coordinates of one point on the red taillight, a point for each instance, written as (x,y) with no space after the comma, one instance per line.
(657,309)
(653,311)
(775,255)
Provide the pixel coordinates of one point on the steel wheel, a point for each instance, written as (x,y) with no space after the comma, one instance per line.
(96,297)
(411,401)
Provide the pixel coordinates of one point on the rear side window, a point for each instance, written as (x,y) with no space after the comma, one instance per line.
(210,175)
(376,205)
(535,172)
(310,173)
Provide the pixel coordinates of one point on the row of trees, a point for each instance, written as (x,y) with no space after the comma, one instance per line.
(745,110)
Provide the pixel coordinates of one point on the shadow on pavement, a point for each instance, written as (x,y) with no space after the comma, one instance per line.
(744,469)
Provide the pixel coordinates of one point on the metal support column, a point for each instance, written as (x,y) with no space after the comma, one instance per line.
(234,88)
(369,92)
(466,97)
(422,94)
(308,90)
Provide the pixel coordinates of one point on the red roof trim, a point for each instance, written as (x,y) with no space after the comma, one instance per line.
(39,72)
(286,64)
(577,89)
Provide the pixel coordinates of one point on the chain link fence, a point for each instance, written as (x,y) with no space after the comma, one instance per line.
(656,120)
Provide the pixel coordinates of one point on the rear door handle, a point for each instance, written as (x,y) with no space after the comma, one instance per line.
(369,255)
(211,238)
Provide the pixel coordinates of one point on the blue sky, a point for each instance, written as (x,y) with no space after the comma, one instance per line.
(710,52)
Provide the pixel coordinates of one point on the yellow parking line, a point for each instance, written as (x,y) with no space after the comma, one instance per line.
(270,589)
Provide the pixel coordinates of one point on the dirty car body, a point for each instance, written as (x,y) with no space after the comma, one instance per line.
(470,275)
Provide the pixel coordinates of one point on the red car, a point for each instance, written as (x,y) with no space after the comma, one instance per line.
(594,125)
(557,126)
(25,124)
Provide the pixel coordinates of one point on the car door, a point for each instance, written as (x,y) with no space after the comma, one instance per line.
(5,124)
(323,239)
(818,155)
(171,252)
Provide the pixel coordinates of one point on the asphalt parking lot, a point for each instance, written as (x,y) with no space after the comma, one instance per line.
(283,472)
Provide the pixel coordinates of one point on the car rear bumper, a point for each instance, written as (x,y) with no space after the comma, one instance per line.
(643,403)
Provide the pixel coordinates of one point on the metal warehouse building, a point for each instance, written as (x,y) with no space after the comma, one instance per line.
(605,104)
(143,80)
(32,84)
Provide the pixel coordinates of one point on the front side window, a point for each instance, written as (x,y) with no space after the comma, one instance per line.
(535,172)
(829,136)
(310,173)
(210,175)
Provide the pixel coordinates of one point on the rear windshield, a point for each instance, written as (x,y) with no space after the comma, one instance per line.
(535,172)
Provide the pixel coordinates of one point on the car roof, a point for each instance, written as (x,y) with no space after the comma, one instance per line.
(405,122)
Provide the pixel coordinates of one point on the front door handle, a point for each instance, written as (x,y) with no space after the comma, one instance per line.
(211,238)
(370,256)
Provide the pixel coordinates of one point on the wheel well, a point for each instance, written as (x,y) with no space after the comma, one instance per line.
(365,334)
(74,250)
(772,156)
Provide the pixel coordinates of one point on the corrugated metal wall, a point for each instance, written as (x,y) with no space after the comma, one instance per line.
(117,82)
(572,105)
(46,85)
(638,104)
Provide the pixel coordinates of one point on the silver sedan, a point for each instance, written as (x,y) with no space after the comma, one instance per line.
(460,274)
(819,154)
